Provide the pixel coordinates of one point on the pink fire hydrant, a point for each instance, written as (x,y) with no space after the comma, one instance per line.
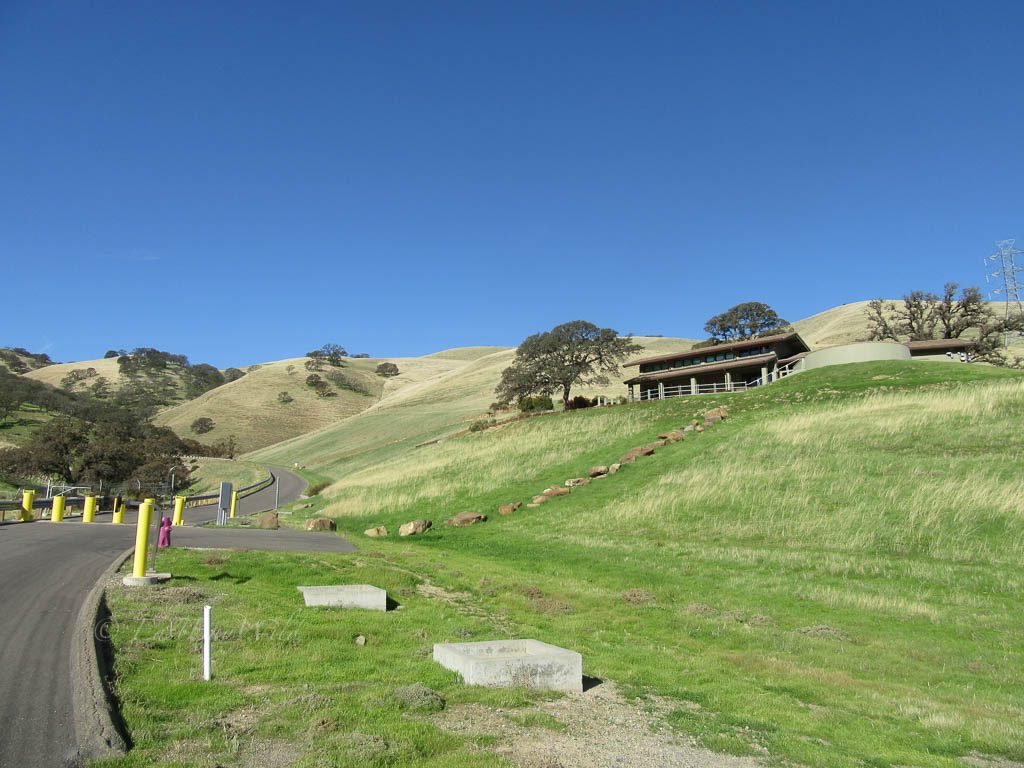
(164,539)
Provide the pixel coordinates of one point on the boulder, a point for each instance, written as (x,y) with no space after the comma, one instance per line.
(698,428)
(463,519)
(379,532)
(576,482)
(712,419)
(688,428)
(657,444)
(598,471)
(320,524)
(508,509)
(267,520)
(556,491)
(672,436)
(414,527)
(539,499)
(717,414)
(613,468)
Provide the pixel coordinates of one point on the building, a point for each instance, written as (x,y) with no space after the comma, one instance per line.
(741,365)
(729,367)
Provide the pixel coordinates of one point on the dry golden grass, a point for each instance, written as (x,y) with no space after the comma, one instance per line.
(52,374)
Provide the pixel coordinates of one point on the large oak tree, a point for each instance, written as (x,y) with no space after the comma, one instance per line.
(571,354)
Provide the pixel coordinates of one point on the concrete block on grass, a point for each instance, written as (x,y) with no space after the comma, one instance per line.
(347,596)
(513,663)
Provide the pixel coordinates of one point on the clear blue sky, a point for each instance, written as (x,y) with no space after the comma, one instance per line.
(244,181)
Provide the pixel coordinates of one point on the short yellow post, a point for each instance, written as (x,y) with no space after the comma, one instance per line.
(27,497)
(57,513)
(142,539)
(179,510)
(234,503)
(117,516)
(89,512)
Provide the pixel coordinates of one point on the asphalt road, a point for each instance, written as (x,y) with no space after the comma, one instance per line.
(46,570)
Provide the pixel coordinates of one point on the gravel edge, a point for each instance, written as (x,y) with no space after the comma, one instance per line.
(97,721)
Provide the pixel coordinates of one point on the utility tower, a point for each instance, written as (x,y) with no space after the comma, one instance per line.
(1006,272)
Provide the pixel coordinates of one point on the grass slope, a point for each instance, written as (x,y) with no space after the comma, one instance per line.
(434,401)
(248,407)
(831,577)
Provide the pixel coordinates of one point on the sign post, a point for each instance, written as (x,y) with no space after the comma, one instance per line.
(224,504)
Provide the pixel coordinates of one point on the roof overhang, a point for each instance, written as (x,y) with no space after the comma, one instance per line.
(754,361)
(799,343)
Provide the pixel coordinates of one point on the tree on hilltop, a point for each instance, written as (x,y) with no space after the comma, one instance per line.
(571,354)
(331,353)
(742,322)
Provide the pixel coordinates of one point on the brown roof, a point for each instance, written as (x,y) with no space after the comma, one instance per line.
(754,361)
(734,345)
(942,344)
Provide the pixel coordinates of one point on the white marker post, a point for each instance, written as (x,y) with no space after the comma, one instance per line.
(206,642)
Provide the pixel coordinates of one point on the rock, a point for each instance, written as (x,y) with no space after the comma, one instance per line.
(556,491)
(717,414)
(598,471)
(657,444)
(672,436)
(647,450)
(378,532)
(576,482)
(360,640)
(320,524)
(539,499)
(420,698)
(463,519)
(414,527)
(267,520)
(613,469)
(533,505)
(688,428)
(694,422)
(712,419)
(508,509)
(698,428)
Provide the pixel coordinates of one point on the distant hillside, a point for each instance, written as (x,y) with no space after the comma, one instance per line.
(20,360)
(432,403)
(254,411)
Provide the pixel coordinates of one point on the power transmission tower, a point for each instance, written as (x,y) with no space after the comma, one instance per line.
(1006,271)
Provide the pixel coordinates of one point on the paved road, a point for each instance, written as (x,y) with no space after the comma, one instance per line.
(46,570)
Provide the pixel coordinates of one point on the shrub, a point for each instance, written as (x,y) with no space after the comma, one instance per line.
(536,403)
(481,424)
(315,488)
(202,425)
(343,381)
(387,369)
(579,402)
(284,398)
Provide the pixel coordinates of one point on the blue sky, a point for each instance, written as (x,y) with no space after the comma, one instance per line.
(244,181)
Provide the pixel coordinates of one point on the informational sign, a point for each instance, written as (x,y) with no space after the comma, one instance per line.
(224,504)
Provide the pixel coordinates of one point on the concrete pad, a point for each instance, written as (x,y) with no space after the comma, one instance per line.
(347,596)
(513,663)
(146,581)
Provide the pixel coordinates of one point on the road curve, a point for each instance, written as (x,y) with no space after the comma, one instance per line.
(46,571)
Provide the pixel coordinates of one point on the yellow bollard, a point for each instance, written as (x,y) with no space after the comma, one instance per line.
(27,497)
(179,510)
(142,539)
(234,503)
(89,512)
(57,514)
(117,516)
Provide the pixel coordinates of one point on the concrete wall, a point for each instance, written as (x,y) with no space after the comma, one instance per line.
(861,352)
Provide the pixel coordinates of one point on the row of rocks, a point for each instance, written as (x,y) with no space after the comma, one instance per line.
(464,519)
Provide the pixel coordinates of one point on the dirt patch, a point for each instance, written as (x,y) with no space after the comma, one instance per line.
(215,560)
(262,753)
(179,595)
(701,609)
(601,728)
(637,596)
(987,761)
(823,630)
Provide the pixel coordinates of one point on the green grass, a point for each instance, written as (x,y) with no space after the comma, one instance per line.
(831,575)
(212,472)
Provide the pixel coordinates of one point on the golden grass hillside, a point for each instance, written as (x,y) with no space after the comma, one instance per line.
(52,374)
(434,402)
(249,408)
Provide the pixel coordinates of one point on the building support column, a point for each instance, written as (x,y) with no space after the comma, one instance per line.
(764,374)
(661,390)
(631,394)
(728,382)
(693,385)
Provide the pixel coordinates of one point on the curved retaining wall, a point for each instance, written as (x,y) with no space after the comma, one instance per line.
(861,352)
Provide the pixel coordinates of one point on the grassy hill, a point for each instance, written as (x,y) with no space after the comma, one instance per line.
(441,395)
(830,577)
(21,360)
(249,408)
